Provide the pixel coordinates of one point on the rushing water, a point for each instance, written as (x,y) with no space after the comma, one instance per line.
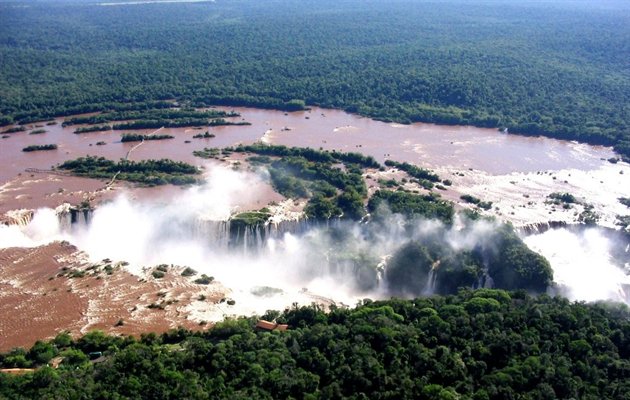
(502,168)
(588,264)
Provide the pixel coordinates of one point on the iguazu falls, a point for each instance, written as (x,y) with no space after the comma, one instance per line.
(333,200)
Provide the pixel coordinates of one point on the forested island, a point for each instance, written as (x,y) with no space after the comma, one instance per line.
(147,172)
(39,147)
(553,69)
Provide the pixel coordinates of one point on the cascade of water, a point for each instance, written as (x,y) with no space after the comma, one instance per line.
(70,217)
(588,262)
(215,233)
(381,269)
(19,217)
(429,289)
(540,227)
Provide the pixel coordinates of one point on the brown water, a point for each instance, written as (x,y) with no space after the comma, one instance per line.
(423,144)
(460,147)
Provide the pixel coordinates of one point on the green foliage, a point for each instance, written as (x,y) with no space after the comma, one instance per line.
(15,129)
(588,216)
(206,135)
(6,120)
(148,172)
(73,358)
(428,264)
(305,172)
(408,270)
(158,274)
(286,184)
(535,68)
(189,272)
(559,198)
(204,280)
(208,152)
(40,147)
(513,265)
(474,345)
(135,112)
(351,204)
(96,128)
(132,137)
(41,352)
(320,207)
(250,218)
(309,154)
(173,123)
(412,170)
(411,205)
(63,340)
(486,205)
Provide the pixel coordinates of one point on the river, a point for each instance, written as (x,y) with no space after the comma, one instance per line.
(516,173)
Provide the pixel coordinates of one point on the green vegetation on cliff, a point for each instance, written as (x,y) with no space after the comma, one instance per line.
(411,205)
(333,190)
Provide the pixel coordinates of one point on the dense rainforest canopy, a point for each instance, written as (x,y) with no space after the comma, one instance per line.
(483,344)
(559,68)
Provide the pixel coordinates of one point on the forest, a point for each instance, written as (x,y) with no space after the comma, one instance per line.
(481,345)
(147,172)
(558,69)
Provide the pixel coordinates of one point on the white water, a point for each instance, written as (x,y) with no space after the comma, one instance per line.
(582,263)
(148,233)
(191,231)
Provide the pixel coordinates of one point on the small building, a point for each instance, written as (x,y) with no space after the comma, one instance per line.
(271,326)
(54,363)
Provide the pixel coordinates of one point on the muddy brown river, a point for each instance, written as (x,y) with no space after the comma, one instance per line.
(428,145)
(483,162)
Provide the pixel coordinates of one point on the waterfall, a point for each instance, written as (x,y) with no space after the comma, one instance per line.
(429,289)
(221,235)
(71,217)
(215,233)
(485,281)
(589,263)
(20,217)
(224,235)
(381,268)
(540,227)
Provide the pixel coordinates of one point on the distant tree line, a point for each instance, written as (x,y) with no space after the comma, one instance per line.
(536,69)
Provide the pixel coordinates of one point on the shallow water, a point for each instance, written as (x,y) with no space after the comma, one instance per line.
(428,145)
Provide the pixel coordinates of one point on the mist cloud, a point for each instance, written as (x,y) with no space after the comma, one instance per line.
(336,260)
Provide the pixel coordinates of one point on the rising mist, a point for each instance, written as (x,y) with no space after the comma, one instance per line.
(338,261)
